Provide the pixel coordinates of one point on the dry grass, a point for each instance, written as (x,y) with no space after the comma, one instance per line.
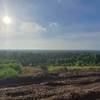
(30,71)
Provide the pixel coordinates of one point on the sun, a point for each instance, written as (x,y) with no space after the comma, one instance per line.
(6,20)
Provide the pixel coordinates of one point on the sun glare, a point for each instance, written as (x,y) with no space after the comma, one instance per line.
(7,20)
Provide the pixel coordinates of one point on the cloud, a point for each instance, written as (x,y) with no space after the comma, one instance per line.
(54,27)
(53,24)
(51,43)
(32,27)
(22,28)
(83,36)
(6,31)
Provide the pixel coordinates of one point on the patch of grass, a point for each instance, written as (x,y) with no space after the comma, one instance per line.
(10,70)
(7,72)
(84,68)
(15,66)
(53,69)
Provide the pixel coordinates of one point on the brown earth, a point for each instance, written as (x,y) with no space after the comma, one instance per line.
(59,86)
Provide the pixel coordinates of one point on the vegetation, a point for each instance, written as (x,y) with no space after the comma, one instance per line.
(52,69)
(51,58)
(11,62)
(9,70)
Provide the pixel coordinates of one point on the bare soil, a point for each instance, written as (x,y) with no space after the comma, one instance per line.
(58,86)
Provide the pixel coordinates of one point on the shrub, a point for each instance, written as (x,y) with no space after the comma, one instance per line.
(7,72)
(15,66)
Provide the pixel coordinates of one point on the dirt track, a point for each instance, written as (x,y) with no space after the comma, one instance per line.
(62,86)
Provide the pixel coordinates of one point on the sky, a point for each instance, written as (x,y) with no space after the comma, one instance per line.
(50,24)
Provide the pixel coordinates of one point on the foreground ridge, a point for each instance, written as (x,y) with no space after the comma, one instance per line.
(61,86)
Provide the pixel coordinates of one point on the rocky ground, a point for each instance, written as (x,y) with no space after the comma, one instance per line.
(58,86)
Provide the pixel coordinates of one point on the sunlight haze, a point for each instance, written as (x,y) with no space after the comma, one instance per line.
(50,24)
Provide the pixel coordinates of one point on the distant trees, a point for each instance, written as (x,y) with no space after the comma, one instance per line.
(50,58)
(11,62)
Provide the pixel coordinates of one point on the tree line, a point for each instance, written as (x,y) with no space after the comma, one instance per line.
(51,58)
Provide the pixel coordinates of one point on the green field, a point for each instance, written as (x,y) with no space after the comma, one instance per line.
(73,68)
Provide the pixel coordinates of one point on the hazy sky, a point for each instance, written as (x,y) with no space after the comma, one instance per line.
(50,24)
